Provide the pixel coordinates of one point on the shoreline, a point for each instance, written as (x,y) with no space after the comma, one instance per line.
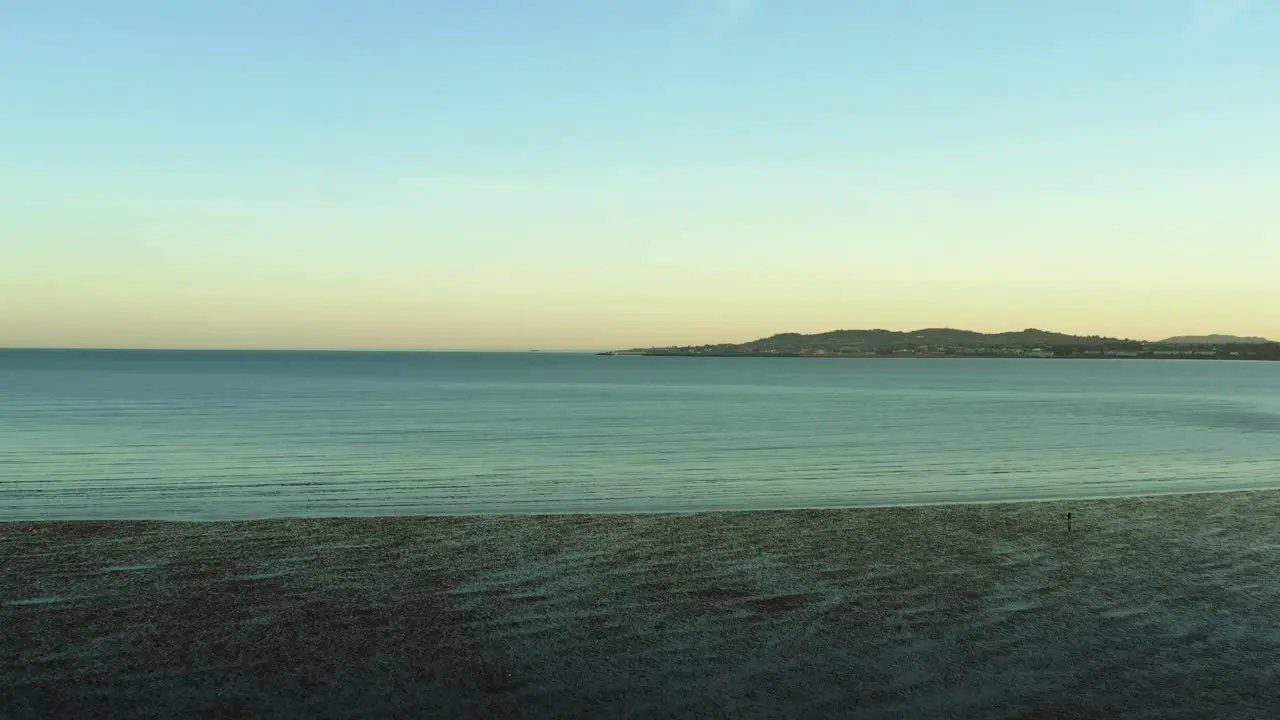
(1086,499)
(1151,606)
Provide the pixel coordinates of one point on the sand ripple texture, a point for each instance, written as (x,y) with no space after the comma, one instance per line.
(1161,608)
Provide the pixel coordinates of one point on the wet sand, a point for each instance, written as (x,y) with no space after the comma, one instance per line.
(1157,607)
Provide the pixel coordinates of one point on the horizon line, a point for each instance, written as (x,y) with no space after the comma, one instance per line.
(83,348)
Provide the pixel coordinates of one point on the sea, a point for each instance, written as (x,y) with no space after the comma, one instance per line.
(196,435)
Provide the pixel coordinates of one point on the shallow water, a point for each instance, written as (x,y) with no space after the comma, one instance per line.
(210,435)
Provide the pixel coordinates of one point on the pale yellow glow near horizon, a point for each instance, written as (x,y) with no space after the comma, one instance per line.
(564,274)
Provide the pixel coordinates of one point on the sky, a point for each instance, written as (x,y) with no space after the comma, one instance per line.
(584,174)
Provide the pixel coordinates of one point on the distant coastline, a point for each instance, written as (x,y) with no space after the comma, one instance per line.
(959,344)
(922,356)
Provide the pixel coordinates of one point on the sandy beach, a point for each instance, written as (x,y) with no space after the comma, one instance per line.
(1150,607)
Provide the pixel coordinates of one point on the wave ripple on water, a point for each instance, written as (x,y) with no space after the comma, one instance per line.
(208,435)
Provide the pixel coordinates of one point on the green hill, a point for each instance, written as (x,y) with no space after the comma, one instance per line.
(1213,340)
(938,339)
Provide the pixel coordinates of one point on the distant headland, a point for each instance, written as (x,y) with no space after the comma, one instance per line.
(1213,340)
(948,342)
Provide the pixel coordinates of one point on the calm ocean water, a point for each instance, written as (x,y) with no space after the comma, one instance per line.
(199,435)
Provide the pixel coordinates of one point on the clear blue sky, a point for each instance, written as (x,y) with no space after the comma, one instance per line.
(593,174)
